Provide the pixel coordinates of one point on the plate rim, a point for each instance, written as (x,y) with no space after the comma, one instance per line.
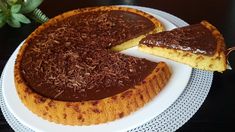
(130,6)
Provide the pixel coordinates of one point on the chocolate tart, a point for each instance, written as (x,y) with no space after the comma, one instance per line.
(200,46)
(68,71)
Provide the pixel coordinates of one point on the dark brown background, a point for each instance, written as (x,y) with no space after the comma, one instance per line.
(217,112)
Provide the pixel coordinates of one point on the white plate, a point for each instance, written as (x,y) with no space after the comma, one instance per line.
(180,77)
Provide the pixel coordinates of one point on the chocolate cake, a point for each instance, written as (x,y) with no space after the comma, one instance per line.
(69,71)
(199,45)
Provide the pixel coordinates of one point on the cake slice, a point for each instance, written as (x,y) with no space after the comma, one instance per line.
(199,46)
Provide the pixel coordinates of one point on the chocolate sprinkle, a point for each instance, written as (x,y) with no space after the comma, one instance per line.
(72,61)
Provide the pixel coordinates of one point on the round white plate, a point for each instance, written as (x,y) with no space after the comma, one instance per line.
(179,80)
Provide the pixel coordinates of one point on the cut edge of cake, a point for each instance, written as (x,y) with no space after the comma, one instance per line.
(135,41)
(131,43)
(216,62)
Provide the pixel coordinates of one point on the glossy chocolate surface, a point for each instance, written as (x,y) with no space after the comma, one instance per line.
(194,38)
(72,61)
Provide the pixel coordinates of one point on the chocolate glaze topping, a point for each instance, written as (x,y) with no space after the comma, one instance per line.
(71,60)
(194,38)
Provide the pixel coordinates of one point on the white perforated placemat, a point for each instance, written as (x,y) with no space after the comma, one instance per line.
(173,117)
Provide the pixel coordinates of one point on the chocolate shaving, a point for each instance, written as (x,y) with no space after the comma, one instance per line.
(72,60)
(58,94)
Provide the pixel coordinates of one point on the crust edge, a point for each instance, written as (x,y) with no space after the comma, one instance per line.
(91,112)
(95,111)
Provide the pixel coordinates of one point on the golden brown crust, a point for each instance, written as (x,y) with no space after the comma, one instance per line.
(218,36)
(221,47)
(96,111)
